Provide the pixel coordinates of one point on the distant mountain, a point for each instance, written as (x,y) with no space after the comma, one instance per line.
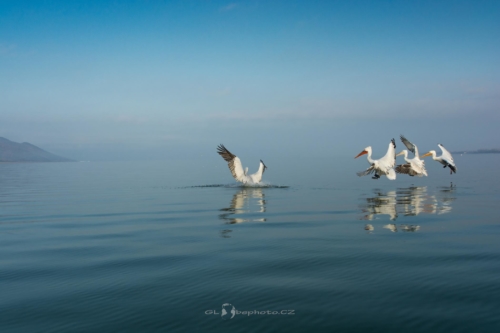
(479,151)
(26,152)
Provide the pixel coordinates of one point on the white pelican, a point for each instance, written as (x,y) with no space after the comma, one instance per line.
(415,166)
(382,166)
(445,159)
(236,168)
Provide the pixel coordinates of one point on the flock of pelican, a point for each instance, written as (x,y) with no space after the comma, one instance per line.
(385,166)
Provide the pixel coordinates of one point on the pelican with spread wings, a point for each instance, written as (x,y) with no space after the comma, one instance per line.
(414,166)
(445,159)
(236,167)
(382,166)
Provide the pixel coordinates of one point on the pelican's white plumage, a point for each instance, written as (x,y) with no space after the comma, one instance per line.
(415,166)
(236,167)
(445,159)
(382,166)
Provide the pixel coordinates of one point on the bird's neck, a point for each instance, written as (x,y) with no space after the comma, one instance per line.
(369,156)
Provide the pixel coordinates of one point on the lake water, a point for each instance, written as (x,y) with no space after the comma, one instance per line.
(178,247)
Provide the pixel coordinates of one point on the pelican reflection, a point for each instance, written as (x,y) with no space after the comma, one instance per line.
(409,227)
(392,227)
(381,204)
(244,205)
(414,200)
(225,233)
(410,201)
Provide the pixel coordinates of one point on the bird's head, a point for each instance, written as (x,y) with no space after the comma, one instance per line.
(403,152)
(365,151)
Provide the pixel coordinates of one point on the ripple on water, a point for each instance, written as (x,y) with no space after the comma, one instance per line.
(107,252)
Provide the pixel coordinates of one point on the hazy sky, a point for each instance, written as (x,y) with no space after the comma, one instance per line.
(159,79)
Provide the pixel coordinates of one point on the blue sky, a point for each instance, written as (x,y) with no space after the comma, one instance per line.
(153,79)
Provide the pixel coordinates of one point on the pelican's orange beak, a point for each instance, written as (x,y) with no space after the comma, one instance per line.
(425,155)
(362,153)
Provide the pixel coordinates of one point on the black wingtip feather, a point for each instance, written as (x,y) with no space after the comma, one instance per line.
(226,154)
(368,171)
(221,148)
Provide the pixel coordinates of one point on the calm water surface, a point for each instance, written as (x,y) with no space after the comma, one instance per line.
(178,247)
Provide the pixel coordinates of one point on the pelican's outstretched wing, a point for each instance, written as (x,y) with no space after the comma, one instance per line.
(265,167)
(405,169)
(389,160)
(233,162)
(411,147)
(368,171)
(446,155)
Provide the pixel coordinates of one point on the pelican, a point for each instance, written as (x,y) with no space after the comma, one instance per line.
(445,159)
(236,168)
(415,166)
(382,166)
